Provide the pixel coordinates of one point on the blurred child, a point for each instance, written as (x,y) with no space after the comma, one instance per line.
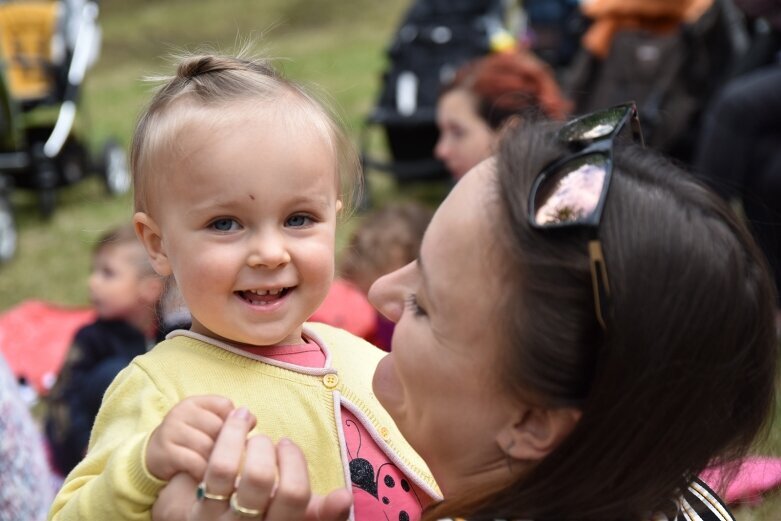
(125,290)
(384,241)
(237,190)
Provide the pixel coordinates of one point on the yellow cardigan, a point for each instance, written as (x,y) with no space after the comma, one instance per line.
(302,404)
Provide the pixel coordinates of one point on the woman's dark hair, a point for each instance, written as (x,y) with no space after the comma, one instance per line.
(684,375)
(510,84)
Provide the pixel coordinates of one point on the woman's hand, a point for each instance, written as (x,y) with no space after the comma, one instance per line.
(273,483)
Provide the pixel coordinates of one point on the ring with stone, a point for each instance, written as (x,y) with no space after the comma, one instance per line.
(243,511)
(201,493)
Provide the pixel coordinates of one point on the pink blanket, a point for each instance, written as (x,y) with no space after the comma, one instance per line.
(35,336)
(757,475)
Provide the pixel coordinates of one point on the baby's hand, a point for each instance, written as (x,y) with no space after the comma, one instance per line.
(184,440)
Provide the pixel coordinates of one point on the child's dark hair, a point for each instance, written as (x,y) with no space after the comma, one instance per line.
(122,235)
(211,80)
(684,374)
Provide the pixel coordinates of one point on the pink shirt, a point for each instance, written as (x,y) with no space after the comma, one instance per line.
(380,489)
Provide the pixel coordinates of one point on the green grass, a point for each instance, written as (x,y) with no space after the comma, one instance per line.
(335,45)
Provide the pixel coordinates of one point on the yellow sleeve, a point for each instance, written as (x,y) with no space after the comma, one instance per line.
(112,482)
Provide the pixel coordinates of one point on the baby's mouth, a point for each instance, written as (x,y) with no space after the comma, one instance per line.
(261,297)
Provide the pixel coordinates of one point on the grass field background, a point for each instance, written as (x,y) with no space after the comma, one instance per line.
(335,45)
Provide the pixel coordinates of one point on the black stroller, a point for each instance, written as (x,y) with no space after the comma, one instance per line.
(46,48)
(433,40)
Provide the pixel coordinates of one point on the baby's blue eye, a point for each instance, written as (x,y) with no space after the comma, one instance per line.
(223,225)
(296,221)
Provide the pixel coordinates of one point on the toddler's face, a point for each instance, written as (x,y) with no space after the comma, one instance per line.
(247,219)
(115,282)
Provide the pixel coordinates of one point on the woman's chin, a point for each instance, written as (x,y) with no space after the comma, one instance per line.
(387,387)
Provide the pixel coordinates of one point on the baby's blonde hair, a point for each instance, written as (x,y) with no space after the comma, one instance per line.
(209,80)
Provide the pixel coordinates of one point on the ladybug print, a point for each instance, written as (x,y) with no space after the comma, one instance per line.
(380,490)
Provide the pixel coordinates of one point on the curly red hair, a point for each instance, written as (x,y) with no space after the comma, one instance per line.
(511,83)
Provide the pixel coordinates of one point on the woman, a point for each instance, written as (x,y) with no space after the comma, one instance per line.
(481,97)
(560,353)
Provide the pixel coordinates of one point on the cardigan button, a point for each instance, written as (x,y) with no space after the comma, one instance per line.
(331,380)
(385,433)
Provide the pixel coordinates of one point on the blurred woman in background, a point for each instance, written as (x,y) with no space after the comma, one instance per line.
(483,94)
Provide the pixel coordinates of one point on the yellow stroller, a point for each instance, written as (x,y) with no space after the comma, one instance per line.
(46,48)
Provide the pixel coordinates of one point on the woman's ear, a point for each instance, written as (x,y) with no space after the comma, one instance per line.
(148,233)
(535,432)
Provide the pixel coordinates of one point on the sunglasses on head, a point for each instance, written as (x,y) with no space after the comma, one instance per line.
(571,191)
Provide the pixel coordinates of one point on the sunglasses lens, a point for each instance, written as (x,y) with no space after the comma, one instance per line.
(594,126)
(571,194)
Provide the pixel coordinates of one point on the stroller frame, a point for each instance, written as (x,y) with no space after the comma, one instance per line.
(47,155)
(434,38)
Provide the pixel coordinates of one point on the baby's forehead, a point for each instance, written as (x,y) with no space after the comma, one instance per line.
(189,126)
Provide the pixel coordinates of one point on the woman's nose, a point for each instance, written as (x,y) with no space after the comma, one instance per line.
(268,249)
(440,150)
(387,294)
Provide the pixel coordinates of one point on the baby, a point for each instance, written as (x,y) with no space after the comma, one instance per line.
(239,177)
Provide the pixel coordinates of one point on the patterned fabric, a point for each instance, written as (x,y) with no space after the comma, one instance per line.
(380,489)
(700,503)
(24,475)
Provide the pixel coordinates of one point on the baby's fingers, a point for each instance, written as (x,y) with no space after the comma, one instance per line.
(219,405)
(206,413)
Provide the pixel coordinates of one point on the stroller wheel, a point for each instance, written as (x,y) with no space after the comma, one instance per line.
(47,201)
(72,163)
(116,173)
(7,231)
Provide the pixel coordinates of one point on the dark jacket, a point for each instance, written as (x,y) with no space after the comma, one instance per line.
(99,351)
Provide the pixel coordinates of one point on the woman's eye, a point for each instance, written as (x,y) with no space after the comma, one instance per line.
(223,225)
(412,304)
(297,221)
(457,132)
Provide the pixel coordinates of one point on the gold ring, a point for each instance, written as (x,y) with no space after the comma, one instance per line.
(242,511)
(201,493)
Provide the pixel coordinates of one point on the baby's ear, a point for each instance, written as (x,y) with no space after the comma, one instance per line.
(148,233)
(339,205)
